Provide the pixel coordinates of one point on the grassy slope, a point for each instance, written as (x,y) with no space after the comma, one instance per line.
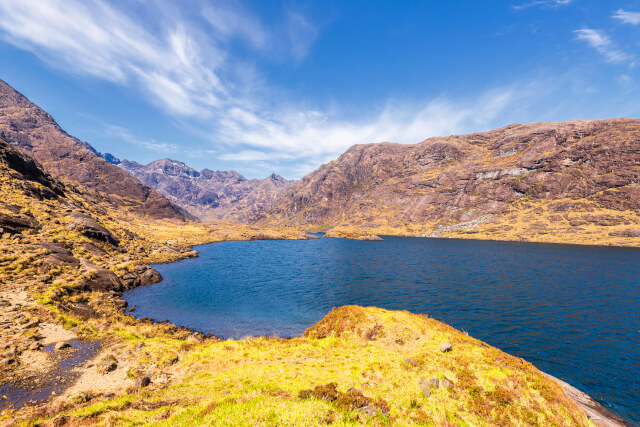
(198,380)
(383,354)
(527,220)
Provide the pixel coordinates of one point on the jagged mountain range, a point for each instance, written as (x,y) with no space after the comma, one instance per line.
(207,194)
(568,182)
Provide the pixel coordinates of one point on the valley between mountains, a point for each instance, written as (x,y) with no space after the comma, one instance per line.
(78,228)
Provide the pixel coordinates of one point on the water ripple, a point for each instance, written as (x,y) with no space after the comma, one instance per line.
(573,311)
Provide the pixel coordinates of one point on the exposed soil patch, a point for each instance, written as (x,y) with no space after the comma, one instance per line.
(35,387)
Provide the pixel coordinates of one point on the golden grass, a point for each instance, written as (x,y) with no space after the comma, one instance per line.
(374,355)
(371,355)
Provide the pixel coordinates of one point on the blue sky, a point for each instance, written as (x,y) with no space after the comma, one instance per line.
(283,87)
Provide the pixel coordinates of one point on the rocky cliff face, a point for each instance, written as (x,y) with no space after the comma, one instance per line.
(28,127)
(207,194)
(573,181)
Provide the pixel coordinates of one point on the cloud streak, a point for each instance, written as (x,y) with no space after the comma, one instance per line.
(543,3)
(601,42)
(188,72)
(123,134)
(627,17)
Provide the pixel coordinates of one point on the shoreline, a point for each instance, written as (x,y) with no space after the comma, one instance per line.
(592,409)
(346,236)
(598,414)
(595,411)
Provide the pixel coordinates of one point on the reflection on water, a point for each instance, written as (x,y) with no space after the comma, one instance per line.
(573,311)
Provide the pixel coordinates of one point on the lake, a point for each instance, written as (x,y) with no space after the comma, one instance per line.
(573,311)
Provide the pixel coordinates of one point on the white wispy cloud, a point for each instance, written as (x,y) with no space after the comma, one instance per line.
(188,72)
(627,17)
(302,33)
(181,74)
(544,3)
(315,133)
(124,134)
(601,42)
(234,21)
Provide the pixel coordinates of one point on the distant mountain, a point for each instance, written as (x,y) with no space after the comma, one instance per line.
(566,182)
(28,127)
(207,194)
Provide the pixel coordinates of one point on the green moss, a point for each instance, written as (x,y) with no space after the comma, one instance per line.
(68,322)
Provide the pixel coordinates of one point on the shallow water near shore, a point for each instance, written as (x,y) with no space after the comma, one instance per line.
(37,387)
(573,311)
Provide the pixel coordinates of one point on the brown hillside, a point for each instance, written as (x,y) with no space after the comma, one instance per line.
(559,182)
(34,131)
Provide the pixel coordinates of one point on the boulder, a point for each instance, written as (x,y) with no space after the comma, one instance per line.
(107,364)
(120,303)
(91,228)
(445,348)
(144,276)
(60,421)
(81,397)
(149,277)
(62,346)
(411,361)
(369,411)
(82,310)
(16,224)
(142,382)
(426,390)
(100,279)
(7,362)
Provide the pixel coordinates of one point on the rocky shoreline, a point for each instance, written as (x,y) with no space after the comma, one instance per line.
(68,365)
(597,413)
(38,311)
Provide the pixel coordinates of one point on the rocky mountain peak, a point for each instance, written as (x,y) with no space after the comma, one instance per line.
(208,194)
(468,182)
(28,127)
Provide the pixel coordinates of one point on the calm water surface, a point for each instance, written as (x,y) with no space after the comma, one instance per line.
(572,311)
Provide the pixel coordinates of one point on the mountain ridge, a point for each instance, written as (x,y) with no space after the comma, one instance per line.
(208,194)
(34,131)
(538,181)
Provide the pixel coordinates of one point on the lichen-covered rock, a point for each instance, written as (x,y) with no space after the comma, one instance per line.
(91,228)
(99,279)
(425,389)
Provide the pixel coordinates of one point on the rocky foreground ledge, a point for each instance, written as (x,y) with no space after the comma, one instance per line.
(357,365)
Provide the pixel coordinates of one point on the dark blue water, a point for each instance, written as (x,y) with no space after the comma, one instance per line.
(573,311)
